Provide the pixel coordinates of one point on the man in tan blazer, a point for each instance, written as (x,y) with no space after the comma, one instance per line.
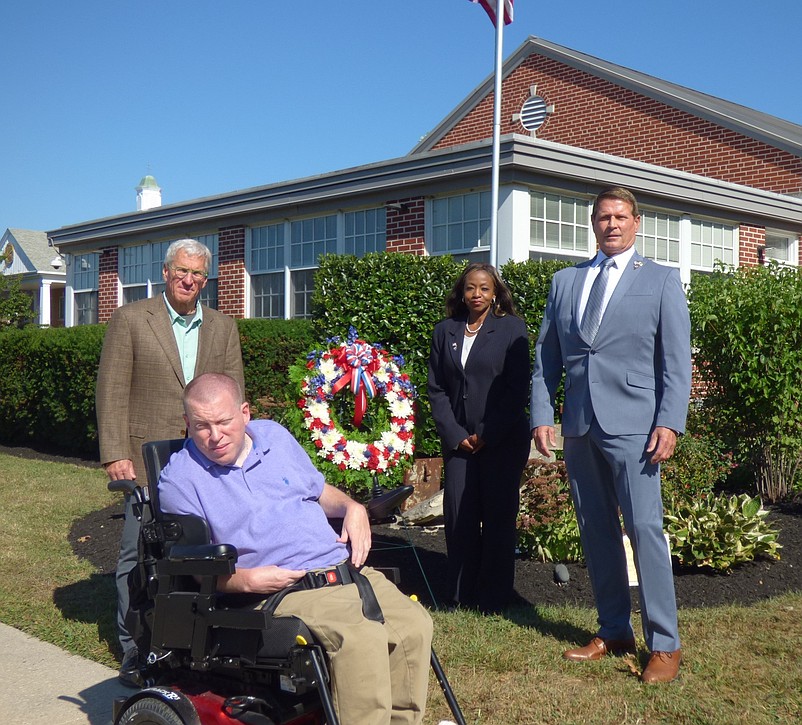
(151,350)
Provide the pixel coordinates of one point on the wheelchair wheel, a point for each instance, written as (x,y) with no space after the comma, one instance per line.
(150,711)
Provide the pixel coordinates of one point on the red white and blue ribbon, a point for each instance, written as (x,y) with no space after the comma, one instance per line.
(358,361)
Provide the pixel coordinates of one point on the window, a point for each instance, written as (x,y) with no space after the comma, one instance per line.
(461,223)
(268,295)
(659,237)
(711,241)
(267,271)
(134,272)
(365,231)
(559,223)
(780,246)
(85,308)
(309,238)
(208,295)
(85,286)
(141,270)
(303,284)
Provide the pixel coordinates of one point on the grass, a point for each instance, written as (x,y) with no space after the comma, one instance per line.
(742,664)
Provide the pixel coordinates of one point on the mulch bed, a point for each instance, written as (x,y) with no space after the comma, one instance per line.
(96,538)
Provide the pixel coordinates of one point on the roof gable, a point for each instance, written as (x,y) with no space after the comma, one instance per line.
(762,127)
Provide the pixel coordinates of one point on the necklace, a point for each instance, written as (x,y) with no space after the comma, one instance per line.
(473,332)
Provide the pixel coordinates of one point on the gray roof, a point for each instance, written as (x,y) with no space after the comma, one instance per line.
(753,124)
(35,247)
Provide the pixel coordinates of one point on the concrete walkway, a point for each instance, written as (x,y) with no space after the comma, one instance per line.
(41,684)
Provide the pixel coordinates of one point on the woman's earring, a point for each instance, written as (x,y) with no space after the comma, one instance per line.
(494,299)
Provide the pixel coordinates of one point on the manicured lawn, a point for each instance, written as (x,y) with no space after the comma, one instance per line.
(742,663)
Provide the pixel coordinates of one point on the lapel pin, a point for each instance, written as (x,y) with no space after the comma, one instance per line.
(637,264)
(453,345)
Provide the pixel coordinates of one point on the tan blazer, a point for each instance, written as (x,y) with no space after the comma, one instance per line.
(140,381)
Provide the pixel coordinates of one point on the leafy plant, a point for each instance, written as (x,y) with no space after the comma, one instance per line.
(16,307)
(747,329)
(697,466)
(547,527)
(720,531)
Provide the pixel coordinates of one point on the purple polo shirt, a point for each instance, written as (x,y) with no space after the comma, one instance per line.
(268,509)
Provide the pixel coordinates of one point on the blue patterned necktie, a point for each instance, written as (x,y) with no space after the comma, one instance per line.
(593,310)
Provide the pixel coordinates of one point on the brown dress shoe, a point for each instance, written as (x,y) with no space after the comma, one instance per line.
(598,648)
(662,667)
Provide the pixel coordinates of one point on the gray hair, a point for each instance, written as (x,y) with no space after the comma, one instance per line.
(192,247)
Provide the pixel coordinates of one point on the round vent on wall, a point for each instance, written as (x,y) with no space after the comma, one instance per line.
(533,113)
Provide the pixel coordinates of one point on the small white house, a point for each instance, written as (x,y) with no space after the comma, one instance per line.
(41,269)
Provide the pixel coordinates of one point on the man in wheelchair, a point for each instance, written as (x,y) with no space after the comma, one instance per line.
(258,490)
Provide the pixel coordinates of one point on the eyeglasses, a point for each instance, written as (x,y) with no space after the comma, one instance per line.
(197,274)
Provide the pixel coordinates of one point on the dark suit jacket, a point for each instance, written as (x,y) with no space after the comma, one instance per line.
(487,397)
(140,381)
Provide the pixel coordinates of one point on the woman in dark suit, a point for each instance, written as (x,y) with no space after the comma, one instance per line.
(478,388)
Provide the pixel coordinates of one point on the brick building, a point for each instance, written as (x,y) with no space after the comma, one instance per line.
(715,180)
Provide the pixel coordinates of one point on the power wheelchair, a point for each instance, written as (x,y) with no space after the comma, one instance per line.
(215,659)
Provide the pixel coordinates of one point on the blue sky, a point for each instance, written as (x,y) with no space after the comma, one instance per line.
(211,97)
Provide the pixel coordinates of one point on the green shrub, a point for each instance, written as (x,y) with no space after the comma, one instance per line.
(747,329)
(47,390)
(720,531)
(696,468)
(269,347)
(547,527)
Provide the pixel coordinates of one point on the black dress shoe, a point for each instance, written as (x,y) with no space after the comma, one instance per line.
(129,674)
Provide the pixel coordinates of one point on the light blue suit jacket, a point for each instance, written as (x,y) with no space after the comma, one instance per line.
(637,373)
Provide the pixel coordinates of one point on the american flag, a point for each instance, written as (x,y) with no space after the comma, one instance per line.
(491,7)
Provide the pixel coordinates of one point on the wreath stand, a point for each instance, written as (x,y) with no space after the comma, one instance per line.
(383,507)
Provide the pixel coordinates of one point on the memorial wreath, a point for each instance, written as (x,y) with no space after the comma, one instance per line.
(356,412)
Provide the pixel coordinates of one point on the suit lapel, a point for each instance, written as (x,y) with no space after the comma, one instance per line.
(159,322)
(454,340)
(628,276)
(205,344)
(576,293)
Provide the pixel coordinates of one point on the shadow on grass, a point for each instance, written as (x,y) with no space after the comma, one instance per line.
(543,620)
(94,601)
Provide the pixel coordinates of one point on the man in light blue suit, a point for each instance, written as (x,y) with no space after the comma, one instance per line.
(618,326)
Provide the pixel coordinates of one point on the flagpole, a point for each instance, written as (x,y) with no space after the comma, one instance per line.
(496,135)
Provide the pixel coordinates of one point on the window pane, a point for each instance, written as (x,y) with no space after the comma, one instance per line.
(268,295)
(467,226)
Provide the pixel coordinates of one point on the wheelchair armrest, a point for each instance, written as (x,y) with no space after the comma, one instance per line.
(381,507)
(199,560)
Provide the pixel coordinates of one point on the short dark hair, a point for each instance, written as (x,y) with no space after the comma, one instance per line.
(616,192)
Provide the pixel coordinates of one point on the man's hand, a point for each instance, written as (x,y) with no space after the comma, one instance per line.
(472,444)
(120,470)
(259,580)
(661,444)
(356,530)
(545,437)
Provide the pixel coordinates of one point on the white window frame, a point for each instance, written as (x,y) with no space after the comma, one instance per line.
(476,250)
(563,227)
(279,261)
(791,247)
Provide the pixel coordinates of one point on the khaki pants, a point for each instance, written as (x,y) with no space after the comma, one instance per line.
(379,672)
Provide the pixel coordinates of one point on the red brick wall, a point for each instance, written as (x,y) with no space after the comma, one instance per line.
(751,239)
(107,284)
(231,271)
(595,114)
(405,227)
